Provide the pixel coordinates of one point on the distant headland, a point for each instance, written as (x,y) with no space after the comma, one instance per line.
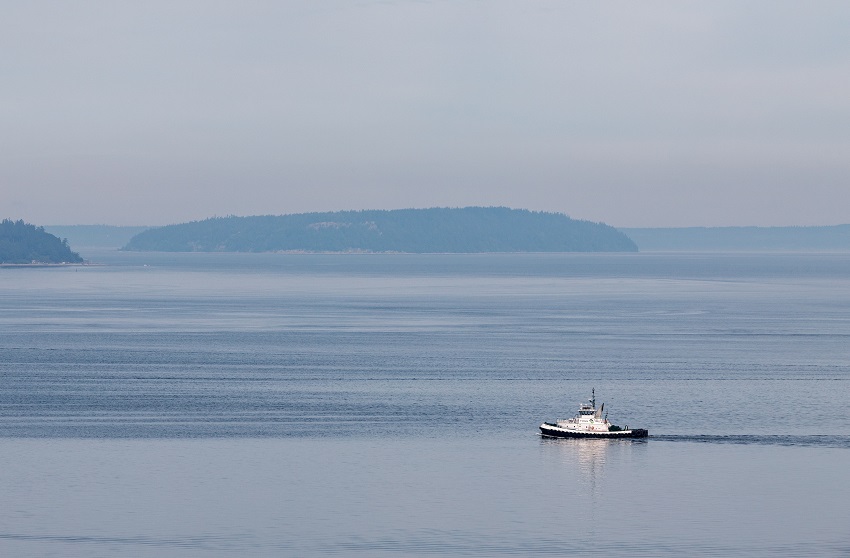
(25,244)
(736,239)
(435,230)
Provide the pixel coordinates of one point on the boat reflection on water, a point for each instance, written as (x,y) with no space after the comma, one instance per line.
(580,471)
(586,455)
(585,459)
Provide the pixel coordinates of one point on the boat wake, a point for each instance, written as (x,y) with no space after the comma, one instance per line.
(821,441)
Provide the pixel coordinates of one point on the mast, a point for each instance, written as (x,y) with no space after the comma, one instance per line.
(593,397)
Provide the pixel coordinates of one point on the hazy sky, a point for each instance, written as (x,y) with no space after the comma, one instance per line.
(635,113)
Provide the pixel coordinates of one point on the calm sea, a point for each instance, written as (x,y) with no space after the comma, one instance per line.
(365,405)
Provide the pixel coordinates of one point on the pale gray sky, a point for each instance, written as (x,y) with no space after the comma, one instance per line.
(642,113)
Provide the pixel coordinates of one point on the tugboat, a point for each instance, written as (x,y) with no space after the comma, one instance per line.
(589,423)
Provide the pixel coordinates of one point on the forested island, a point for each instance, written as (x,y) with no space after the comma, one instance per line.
(435,230)
(23,243)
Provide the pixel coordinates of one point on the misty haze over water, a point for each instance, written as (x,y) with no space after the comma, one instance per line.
(260,404)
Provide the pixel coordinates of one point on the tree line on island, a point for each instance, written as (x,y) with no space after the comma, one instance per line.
(23,243)
(435,230)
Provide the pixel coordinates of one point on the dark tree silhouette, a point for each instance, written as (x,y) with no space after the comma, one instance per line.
(22,243)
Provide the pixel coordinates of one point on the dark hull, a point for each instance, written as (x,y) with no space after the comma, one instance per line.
(559,433)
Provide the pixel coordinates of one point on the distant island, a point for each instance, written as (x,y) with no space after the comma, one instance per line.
(737,239)
(95,236)
(23,243)
(435,230)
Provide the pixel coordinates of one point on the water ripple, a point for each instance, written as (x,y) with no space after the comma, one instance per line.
(820,441)
(200,542)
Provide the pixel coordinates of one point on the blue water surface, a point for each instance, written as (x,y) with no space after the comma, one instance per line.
(310,405)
